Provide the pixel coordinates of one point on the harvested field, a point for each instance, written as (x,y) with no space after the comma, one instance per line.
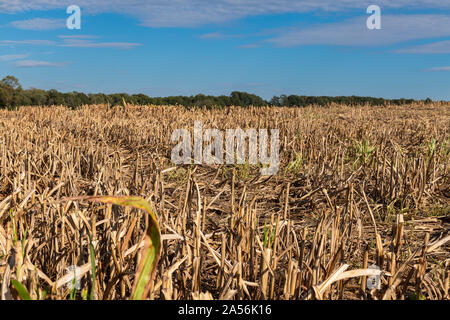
(357,186)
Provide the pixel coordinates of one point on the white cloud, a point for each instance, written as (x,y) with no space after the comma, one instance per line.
(78,36)
(72,41)
(35,64)
(39,24)
(12,57)
(190,13)
(83,43)
(439,69)
(441,47)
(354,32)
(27,42)
(250,46)
(212,35)
(219,35)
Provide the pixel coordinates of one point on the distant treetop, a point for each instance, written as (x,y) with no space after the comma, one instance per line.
(12,95)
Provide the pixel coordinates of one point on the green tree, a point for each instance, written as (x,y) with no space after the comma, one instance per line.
(6,95)
(12,82)
(8,87)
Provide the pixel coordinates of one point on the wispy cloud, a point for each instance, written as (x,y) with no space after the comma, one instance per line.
(191,13)
(219,35)
(36,64)
(353,32)
(78,36)
(84,43)
(212,35)
(250,46)
(39,24)
(436,69)
(12,57)
(27,42)
(441,47)
(72,41)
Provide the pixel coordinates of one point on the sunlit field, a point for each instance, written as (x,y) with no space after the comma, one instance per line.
(357,187)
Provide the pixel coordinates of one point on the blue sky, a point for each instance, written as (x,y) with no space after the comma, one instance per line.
(266,47)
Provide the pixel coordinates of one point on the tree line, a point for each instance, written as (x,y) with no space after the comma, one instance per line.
(12,95)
